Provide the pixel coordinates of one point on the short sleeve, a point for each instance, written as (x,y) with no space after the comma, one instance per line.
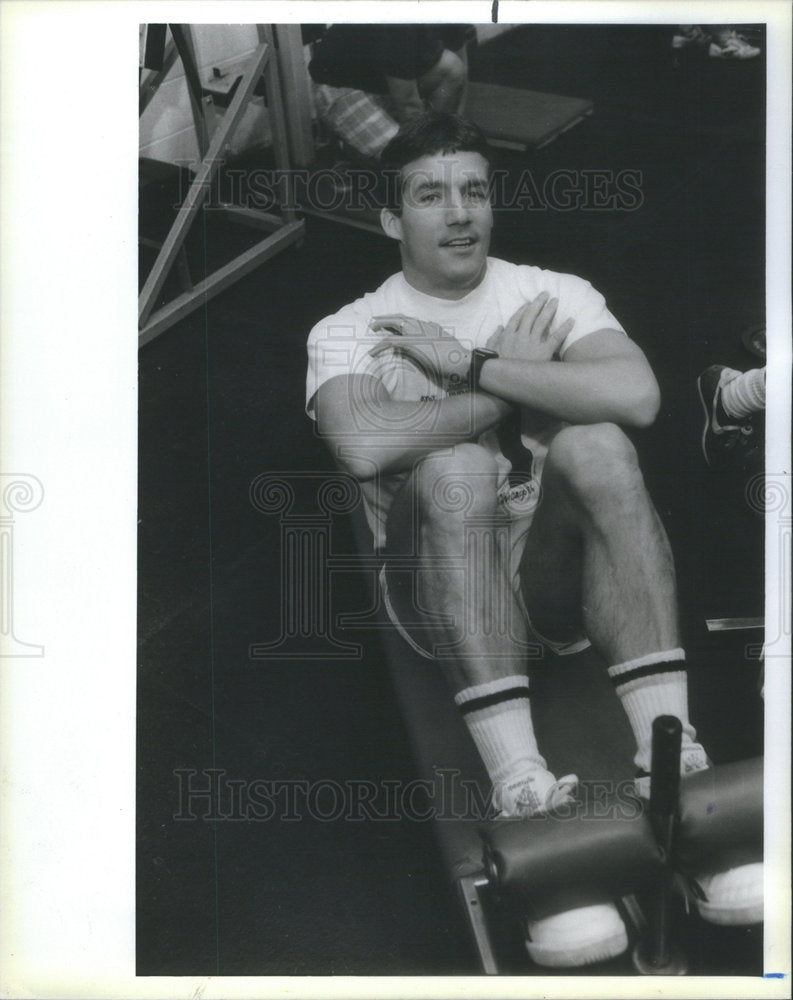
(578,300)
(583,303)
(338,345)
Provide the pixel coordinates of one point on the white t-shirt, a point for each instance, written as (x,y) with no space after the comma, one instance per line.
(340,344)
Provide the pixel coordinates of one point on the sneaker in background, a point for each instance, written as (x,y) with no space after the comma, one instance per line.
(690,34)
(724,441)
(731,45)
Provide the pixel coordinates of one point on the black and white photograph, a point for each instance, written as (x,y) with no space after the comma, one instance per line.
(436,581)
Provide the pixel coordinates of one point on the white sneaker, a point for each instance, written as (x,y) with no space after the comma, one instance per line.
(538,795)
(692,759)
(690,34)
(731,45)
(732,897)
(577,937)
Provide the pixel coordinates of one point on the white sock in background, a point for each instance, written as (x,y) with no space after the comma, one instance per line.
(745,394)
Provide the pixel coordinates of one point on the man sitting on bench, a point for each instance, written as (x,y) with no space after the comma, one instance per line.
(472,397)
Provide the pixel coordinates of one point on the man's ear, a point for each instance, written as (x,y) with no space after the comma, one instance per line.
(391,223)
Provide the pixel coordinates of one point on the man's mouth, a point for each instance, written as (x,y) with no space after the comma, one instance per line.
(460,241)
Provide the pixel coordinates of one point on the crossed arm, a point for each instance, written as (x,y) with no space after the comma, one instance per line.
(604,377)
(371,433)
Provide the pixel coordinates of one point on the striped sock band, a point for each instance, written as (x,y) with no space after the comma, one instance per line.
(490,693)
(650,686)
(498,716)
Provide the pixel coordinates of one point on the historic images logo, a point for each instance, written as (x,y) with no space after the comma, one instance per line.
(19,494)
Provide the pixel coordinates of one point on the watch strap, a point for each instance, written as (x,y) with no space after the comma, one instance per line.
(478,357)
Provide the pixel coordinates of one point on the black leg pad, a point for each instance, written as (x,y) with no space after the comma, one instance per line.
(721,818)
(550,865)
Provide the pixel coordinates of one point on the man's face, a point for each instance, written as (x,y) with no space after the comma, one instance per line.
(445,225)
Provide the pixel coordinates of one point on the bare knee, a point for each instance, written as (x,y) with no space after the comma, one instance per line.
(594,459)
(452,69)
(446,78)
(455,484)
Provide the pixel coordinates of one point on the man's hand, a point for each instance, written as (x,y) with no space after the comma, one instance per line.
(436,351)
(406,98)
(530,334)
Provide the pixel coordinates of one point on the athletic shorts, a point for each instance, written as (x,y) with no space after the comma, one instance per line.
(395,586)
(360,119)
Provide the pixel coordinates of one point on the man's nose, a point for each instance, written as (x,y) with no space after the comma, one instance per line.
(457,210)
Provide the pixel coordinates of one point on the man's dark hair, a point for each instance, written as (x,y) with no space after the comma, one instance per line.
(428,134)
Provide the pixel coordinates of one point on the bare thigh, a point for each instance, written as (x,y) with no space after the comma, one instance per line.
(418,530)
(402,534)
(552,564)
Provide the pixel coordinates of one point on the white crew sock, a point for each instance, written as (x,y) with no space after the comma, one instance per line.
(744,394)
(655,685)
(498,716)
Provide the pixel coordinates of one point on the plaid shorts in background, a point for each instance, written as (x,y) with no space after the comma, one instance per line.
(360,119)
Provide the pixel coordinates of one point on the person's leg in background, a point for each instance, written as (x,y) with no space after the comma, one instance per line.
(690,35)
(722,41)
(359,119)
(443,87)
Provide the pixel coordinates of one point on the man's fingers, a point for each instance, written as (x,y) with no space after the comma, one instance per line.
(517,318)
(393,323)
(493,339)
(544,318)
(526,313)
(401,325)
(382,346)
(403,345)
(561,332)
(514,320)
(389,317)
(535,307)
(534,304)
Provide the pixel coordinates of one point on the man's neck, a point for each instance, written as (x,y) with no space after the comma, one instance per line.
(450,292)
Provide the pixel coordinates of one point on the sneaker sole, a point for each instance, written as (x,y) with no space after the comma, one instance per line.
(729,55)
(738,901)
(590,943)
(750,913)
(597,950)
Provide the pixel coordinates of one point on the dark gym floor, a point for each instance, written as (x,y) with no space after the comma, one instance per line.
(221,403)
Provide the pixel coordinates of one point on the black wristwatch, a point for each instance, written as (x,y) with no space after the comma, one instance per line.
(478,357)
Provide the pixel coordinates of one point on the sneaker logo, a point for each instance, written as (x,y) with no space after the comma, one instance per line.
(527,799)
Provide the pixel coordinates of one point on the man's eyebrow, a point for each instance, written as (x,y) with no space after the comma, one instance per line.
(428,185)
